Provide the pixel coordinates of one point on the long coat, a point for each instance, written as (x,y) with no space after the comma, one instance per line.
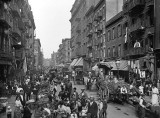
(93,109)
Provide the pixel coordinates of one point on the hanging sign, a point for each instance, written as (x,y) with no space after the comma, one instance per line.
(142,74)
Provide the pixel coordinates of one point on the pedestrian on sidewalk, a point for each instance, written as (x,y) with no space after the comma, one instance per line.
(9,112)
(155,94)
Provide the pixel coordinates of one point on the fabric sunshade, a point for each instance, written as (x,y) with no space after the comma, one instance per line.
(73,62)
(107,64)
(60,65)
(123,65)
(79,62)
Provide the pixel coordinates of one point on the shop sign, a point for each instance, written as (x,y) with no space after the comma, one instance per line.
(142,74)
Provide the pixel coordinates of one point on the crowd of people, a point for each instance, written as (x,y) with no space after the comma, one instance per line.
(67,102)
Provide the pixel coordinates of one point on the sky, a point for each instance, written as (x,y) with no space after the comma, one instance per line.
(52,22)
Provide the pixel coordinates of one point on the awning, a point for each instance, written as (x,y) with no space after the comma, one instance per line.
(107,64)
(123,65)
(95,68)
(60,65)
(79,62)
(73,62)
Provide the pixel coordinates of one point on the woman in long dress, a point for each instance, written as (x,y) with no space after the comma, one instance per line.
(155,94)
(18,109)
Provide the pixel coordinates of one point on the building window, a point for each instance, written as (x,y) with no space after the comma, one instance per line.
(104,52)
(104,39)
(103,12)
(114,51)
(119,30)
(113,33)
(119,50)
(109,51)
(109,35)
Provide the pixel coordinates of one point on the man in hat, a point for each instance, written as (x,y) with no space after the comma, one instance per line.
(83,94)
(74,95)
(124,93)
(83,97)
(92,108)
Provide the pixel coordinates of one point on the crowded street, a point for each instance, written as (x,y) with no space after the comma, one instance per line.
(114,110)
(79,59)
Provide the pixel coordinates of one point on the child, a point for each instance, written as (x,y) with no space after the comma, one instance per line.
(9,112)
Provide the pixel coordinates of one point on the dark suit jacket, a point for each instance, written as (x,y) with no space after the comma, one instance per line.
(93,109)
(27,113)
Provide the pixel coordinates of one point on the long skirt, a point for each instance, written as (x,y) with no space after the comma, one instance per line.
(155,100)
(17,113)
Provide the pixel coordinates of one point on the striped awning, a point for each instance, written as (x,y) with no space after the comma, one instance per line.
(79,62)
(73,62)
(123,65)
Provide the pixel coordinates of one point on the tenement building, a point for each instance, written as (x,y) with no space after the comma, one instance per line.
(63,55)
(16,28)
(38,58)
(88,30)
(139,33)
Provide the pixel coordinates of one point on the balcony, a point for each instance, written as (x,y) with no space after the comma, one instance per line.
(96,19)
(18,54)
(23,14)
(135,52)
(136,6)
(137,29)
(125,6)
(6,55)
(78,51)
(89,33)
(27,22)
(17,45)
(16,32)
(21,25)
(78,19)
(28,36)
(100,29)
(133,6)
(5,19)
(78,39)
(78,29)
(100,16)
(15,9)
(89,44)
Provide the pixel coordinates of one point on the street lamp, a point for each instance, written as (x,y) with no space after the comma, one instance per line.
(118,65)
